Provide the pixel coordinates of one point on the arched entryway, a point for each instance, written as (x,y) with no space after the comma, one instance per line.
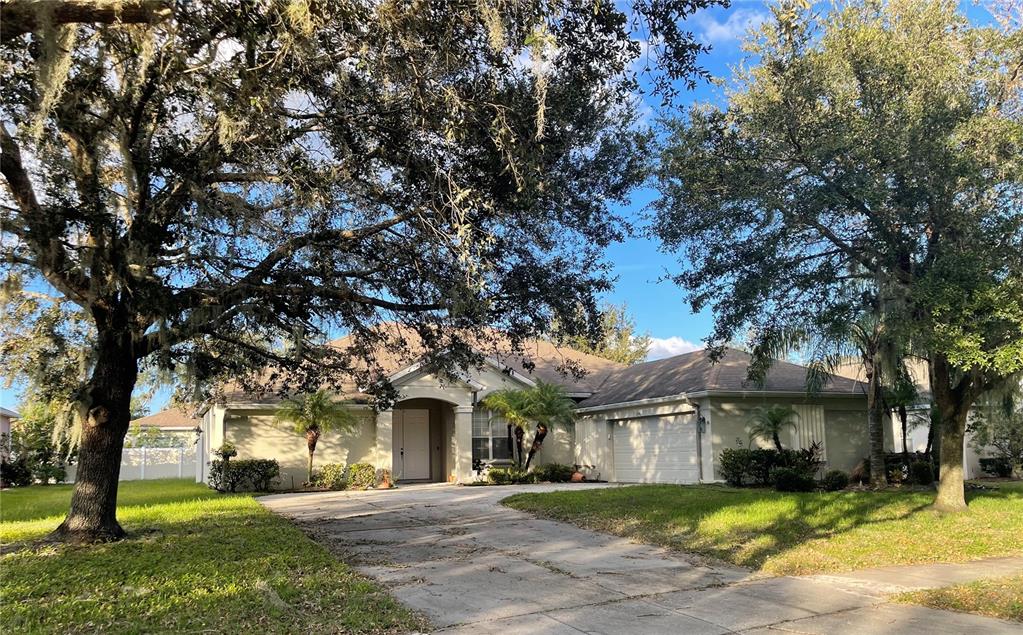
(422,437)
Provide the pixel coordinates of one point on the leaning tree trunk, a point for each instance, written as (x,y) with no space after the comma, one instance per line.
(875,424)
(541,434)
(93,513)
(311,437)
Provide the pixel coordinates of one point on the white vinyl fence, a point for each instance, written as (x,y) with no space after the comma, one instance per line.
(139,464)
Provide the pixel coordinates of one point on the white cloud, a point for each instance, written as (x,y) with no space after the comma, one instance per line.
(661,347)
(733,28)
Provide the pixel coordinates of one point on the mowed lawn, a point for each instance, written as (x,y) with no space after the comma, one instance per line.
(790,534)
(195,561)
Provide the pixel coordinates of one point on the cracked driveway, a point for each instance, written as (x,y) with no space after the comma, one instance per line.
(473,566)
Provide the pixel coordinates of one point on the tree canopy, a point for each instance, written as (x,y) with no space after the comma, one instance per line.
(869,157)
(613,337)
(219,189)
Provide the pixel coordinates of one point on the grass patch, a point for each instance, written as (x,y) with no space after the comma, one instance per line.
(791,534)
(1001,597)
(195,561)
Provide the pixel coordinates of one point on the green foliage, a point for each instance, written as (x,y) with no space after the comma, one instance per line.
(38,445)
(553,473)
(361,476)
(509,476)
(790,479)
(734,465)
(317,411)
(997,425)
(14,473)
(614,337)
(768,423)
(226,451)
(921,472)
(835,480)
(998,466)
(245,475)
(332,476)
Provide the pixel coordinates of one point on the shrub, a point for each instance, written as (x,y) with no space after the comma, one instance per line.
(14,474)
(331,476)
(226,451)
(762,461)
(735,465)
(553,473)
(997,466)
(46,472)
(508,475)
(361,476)
(921,472)
(255,475)
(835,480)
(790,479)
(384,480)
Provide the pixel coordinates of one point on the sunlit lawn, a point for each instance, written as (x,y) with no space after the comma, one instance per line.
(782,533)
(195,561)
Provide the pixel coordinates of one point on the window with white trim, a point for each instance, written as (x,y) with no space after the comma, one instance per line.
(489,436)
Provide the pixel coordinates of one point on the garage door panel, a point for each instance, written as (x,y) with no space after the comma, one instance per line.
(661,450)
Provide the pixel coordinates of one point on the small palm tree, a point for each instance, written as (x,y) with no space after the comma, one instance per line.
(510,404)
(769,422)
(548,405)
(314,414)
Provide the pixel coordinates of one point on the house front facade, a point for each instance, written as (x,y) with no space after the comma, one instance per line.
(665,421)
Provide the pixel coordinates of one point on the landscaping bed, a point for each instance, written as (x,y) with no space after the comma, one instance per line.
(795,533)
(195,561)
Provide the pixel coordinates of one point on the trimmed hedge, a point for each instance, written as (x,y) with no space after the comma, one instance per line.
(997,466)
(509,475)
(553,473)
(835,480)
(331,476)
(246,475)
(741,466)
(791,479)
(361,476)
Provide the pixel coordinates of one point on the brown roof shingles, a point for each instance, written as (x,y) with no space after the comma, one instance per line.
(169,418)
(695,372)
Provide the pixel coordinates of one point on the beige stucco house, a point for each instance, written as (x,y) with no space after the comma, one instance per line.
(665,421)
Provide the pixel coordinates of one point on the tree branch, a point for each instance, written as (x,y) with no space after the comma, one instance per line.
(25,16)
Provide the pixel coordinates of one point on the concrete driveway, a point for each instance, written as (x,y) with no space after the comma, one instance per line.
(472,566)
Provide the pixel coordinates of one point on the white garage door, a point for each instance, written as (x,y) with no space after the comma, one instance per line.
(656,450)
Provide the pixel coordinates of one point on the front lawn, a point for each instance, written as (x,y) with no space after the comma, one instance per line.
(195,561)
(1002,597)
(791,534)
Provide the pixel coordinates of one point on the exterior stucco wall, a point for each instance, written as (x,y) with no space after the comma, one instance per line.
(255,437)
(845,426)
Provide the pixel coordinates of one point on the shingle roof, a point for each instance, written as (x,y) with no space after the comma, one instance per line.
(695,372)
(537,359)
(169,418)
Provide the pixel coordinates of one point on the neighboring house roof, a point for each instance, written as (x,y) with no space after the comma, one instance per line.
(695,372)
(10,414)
(168,419)
(537,359)
(919,371)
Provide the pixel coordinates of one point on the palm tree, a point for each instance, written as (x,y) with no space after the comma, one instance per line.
(510,404)
(769,422)
(547,405)
(314,414)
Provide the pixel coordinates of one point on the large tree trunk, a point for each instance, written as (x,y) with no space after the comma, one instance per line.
(953,406)
(93,513)
(541,434)
(904,419)
(875,424)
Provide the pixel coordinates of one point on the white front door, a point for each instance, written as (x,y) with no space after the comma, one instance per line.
(411,445)
(656,450)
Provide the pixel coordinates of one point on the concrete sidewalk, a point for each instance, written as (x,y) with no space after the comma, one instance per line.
(473,566)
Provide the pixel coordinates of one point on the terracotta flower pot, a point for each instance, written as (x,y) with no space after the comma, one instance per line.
(578,477)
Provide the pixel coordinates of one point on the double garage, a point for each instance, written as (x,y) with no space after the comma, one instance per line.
(661,449)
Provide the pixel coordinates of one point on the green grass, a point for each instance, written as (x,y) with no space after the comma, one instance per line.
(1001,597)
(195,561)
(790,534)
